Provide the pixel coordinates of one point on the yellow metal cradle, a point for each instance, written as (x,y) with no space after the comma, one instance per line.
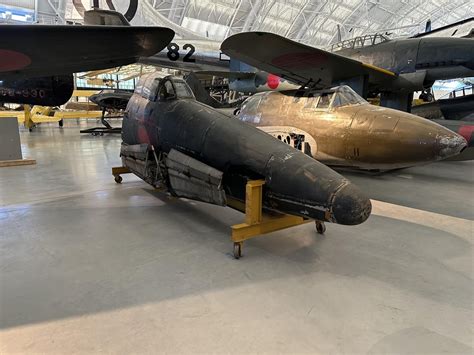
(256,223)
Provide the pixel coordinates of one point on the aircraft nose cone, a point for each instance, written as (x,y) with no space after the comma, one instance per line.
(350,206)
(450,145)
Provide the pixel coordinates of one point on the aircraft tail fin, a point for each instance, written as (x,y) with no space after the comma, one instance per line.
(104,18)
(428,26)
(462,29)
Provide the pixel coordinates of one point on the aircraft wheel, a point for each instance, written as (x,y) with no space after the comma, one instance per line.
(237,250)
(320,227)
(61,123)
(118,179)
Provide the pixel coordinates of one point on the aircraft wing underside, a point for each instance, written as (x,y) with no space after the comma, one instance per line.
(297,62)
(43,50)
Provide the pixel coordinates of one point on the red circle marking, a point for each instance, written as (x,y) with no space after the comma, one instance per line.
(273,81)
(143,135)
(466,131)
(12,60)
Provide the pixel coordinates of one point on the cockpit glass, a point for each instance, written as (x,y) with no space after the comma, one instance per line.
(139,87)
(345,96)
(251,104)
(147,92)
(147,87)
(324,101)
(311,102)
(166,90)
(182,89)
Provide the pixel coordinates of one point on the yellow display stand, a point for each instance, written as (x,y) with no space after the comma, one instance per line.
(256,222)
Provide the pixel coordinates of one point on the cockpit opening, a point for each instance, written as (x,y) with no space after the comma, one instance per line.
(345,96)
(155,87)
(333,98)
(361,41)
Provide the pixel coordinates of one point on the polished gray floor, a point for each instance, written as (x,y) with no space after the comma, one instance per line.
(90,266)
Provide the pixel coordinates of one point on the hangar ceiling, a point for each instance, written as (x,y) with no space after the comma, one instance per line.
(311,21)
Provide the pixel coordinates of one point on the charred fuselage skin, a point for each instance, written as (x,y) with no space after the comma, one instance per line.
(294,183)
(360,136)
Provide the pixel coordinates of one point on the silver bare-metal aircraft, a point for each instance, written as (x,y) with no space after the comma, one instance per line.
(205,57)
(339,128)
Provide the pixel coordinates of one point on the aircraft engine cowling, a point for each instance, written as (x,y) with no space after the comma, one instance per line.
(244,84)
(44,91)
(260,82)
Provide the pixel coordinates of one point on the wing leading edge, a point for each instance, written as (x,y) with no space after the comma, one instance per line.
(43,50)
(297,62)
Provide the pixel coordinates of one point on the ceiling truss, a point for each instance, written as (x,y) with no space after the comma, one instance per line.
(317,22)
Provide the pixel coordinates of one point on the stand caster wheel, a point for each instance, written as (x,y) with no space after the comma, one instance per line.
(320,227)
(118,179)
(237,250)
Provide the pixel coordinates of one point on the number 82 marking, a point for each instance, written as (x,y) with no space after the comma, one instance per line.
(173,52)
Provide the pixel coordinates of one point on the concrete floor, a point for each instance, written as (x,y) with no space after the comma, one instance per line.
(90,266)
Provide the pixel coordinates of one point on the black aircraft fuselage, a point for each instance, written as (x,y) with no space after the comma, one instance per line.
(202,154)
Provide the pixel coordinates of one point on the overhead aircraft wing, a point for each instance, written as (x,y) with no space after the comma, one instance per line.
(297,62)
(44,50)
(232,75)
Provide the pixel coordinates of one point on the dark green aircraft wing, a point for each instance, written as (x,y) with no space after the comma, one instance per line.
(297,62)
(44,50)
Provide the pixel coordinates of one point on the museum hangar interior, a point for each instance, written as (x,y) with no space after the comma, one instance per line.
(236,176)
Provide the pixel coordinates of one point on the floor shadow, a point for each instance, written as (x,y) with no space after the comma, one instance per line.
(109,258)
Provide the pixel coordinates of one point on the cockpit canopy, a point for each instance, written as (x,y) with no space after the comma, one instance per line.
(320,100)
(359,42)
(156,87)
(333,98)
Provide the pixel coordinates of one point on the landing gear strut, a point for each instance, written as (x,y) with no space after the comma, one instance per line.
(99,131)
(399,101)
